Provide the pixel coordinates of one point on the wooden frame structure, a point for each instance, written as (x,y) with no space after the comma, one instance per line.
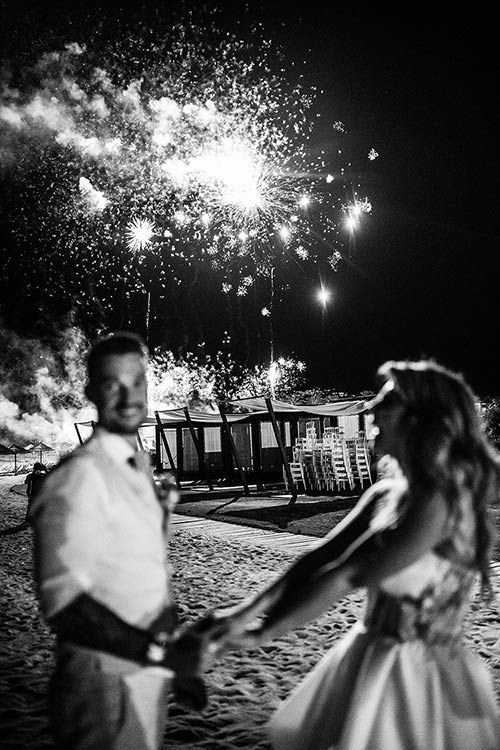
(284,419)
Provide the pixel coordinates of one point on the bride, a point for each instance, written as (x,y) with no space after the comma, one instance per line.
(401,679)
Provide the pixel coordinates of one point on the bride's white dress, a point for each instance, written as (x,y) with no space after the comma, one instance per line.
(402,679)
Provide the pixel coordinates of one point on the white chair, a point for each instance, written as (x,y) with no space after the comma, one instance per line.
(297,473)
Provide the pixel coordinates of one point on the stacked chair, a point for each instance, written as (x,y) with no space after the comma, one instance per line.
(298,479)
(331,463)
(359,458)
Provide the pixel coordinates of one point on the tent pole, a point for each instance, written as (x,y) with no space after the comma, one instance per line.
(158,461)
(139,440)
(257,454)
(284,458)
(234,450)
(167,447)
(78,433)
(201,457)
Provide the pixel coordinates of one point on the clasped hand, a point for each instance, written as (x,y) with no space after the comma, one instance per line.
(193,648)
(216,632)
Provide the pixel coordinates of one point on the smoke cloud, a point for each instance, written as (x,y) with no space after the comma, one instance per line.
(41,388)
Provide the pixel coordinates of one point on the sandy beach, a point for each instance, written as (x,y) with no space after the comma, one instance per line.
(244,687)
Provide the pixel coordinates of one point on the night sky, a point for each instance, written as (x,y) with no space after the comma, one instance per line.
(420,276)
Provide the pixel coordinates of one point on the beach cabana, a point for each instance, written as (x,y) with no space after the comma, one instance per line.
(42,452)
(15,450)
(249,441)
(7,460)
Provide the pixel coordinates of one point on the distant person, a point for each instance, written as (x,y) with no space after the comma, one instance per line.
(102,574)
(418,541)
(34,481)
(197,402)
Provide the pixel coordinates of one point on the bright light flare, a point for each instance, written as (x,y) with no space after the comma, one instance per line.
(180,218)
(285,233)
(241,183)
(235,173)
(323,296)
(139,234)
(354,212)
(274,375)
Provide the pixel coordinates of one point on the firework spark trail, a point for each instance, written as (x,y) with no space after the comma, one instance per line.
(189,149)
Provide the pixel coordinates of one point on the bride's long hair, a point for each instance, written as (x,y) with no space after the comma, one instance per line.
(444,448)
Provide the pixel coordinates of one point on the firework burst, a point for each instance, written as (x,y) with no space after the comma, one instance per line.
(189,130)
(139,234)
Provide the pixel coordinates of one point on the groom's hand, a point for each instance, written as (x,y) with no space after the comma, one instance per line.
(190,692)
(184,653)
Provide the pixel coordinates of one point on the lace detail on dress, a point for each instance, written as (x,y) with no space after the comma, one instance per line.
(435,616)
(429,599)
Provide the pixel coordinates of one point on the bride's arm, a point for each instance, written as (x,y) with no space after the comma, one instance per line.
(368,562)
(328,549)
(316,581)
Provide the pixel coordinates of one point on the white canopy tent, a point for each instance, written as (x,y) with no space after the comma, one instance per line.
(258,410)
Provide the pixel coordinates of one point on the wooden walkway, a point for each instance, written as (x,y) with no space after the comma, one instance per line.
(245,534)
(264,537)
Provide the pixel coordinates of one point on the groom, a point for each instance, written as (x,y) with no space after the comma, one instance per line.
(102,577)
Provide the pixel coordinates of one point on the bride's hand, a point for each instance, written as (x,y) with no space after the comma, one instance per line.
(249,636)
(235,631)
(224,629)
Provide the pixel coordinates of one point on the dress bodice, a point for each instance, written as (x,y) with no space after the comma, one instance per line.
(428,599)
